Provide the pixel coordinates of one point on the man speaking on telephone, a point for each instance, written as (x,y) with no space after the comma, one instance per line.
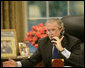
(57,45)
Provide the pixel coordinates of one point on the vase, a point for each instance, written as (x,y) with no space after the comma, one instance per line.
(32,49)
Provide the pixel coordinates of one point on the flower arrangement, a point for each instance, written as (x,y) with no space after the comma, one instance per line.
(36,33)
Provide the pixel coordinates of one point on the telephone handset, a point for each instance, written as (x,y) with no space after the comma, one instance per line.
(62,33)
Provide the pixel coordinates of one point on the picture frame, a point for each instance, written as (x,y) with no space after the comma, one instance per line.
(23,49)
(8,44)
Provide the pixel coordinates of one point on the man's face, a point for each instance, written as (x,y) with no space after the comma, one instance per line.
(53,30)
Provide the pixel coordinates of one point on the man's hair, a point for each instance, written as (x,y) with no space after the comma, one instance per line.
(58,21)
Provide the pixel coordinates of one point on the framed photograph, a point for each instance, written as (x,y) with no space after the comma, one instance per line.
(23,49)
(8,44)
(8,33)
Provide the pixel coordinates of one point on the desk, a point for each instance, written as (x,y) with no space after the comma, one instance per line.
(19,58)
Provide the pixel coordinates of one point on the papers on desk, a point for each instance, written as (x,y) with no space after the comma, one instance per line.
(57,62)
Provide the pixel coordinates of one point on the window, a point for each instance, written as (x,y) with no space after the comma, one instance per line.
(40,11)
(57,8)
(77,7)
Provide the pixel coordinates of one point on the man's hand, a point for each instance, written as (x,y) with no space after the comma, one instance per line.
(58,43)
(10,63)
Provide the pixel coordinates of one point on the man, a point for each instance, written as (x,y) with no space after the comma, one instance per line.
(68,48)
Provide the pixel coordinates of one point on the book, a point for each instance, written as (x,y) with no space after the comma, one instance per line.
(57,62)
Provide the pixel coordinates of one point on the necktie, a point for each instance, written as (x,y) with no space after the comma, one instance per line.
(55,53)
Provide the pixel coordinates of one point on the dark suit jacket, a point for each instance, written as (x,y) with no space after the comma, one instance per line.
(44,52)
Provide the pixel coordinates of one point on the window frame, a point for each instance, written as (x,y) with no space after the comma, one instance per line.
(47,12)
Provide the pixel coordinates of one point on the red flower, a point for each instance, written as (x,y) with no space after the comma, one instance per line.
(41,31)
(35,38)
(29,38)
(25,39)
(32,42)
(36,45)
(27,34)
(41,25)
(35,34)
(43,35)
(33,28)
(38,34)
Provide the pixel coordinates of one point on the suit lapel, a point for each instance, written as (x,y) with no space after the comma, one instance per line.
(49,47)
(65,43)
(48,51)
